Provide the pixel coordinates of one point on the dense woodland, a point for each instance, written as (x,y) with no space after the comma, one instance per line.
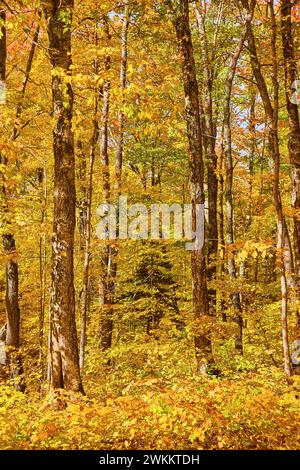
(133,343)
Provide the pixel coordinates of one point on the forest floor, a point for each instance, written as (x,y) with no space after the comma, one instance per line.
(246,411)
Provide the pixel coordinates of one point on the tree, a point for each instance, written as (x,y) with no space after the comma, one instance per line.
(271,111)
(291,73)
(123,81)
(65,371)
(150,292)
(180,18)
(238,316)
(12,337)
(108,274)
(210,135)
(88,217)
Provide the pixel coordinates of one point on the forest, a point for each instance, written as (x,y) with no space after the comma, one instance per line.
(150,225)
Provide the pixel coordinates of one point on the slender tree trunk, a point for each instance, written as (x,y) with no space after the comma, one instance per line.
(15,133)
(248,221)
(106,285)
(282,227)
(209,141)
(12,339)
(180,19)
(291,74)
(222,224)
(3,49)
(65,372)
(285,258)
(120,143)
(238,317)
(123,78)
(43,261)
(14,359)
(251,159)
(87,254)
(82,199)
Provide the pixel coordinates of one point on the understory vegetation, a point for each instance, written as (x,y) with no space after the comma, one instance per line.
(121,340)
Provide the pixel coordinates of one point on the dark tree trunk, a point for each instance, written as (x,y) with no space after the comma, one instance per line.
(3,50)
(12,342)
(12,339)
(43,270)
(180,18)
(222,224)
(251,159)
(209,141)
(65,371)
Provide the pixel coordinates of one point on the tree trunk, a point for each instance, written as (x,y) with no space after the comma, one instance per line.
(12,339)
(222,248)
(180,19)
(291,74)
(209,141)
(120,143)
(282,227)
(121,117)
(285,258)
(87,233)
(15,133)
(248,221)
(106,285)
(82,198)
(251,158)
(43,271)
(65,371)
(238,317)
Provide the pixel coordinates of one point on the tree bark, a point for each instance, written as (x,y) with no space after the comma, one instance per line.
(209,141)
(291,74)
(180,19)
(222,247)
(251,158)
(120,143)
(65,371)
(12,339)
(282,226)
(123,78)
(106,285)
(88,230)
(284,252)
(231,266)
(43,271)
(82,198)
